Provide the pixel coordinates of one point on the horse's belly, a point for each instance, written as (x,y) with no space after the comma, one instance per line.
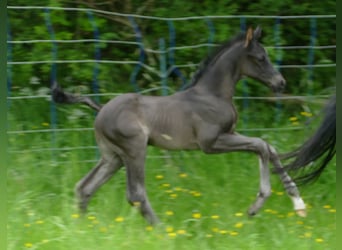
(173,142)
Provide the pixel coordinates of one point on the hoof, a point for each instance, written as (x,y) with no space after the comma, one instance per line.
(251,213)
(301,212)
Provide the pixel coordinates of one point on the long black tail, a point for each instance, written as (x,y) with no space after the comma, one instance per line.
(59,96)
(317,151)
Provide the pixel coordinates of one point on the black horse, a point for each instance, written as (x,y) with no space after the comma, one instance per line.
(202,117)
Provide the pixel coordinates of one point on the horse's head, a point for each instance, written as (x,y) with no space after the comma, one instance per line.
(256,64)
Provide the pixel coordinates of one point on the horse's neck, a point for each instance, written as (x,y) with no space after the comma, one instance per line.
(221,78)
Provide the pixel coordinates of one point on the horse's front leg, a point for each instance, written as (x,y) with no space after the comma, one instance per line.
(288,183)
(235,142)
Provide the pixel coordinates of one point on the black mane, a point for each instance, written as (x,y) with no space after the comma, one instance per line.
(206,63)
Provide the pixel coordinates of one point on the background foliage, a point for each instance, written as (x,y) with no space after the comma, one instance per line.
(43,168)
(76,25)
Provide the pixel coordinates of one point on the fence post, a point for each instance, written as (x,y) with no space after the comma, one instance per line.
(311,55)
(53,113)
(245,93)
(172,43)
(279,57)
(137,68)
(163,71)
(97,54)
(211,36)
(9,59)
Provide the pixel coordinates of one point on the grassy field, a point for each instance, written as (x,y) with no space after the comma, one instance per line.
(201,200)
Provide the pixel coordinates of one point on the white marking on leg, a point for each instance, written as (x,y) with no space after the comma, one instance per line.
(298,203)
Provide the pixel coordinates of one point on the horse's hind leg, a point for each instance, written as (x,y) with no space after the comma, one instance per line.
(288,183)
(134,161)
(101,173)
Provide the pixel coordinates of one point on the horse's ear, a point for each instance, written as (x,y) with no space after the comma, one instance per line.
(249,37)
(257,33)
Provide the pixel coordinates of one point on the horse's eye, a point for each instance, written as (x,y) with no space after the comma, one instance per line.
(261,58)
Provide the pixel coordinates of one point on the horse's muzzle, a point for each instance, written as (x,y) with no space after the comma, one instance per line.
(278,83)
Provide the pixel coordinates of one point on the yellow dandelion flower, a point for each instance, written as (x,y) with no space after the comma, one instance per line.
(28,245)
(233,233)
(75,216)
(290,214)
(45,124)
(183,175)
(268,210)
(293,118)
(173,195)
(181,231)
(91,217)
(307,234)
(166,185)
(178,189)
(223,232)
(196,194)
(119,219)
(215,229)
(319,240)
(39,222)
(215,217)
(239,214)
(159,177)
(238,225)
(306,114)
(332,210)
(196,215)
(172,235)
(279,193)
(27,225)
(149,228)
(327,206)
(169,229)
(169,213)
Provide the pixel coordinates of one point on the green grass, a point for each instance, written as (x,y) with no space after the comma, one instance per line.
(201,200)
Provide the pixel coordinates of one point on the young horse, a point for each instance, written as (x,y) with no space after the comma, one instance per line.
(202,117)
(318,150)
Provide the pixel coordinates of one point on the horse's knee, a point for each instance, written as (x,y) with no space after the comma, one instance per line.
(261,147)
(136,195)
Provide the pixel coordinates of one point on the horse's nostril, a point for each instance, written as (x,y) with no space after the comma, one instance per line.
(282,83)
